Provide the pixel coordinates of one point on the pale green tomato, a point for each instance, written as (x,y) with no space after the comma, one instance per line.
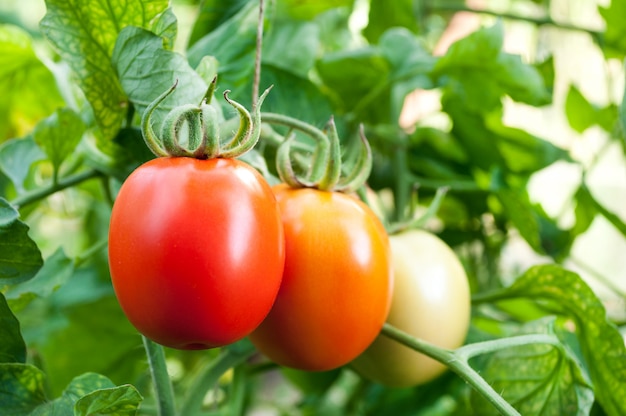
(431,301)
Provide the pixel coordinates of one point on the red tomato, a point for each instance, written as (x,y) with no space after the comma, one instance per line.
(196,250)
(336,289)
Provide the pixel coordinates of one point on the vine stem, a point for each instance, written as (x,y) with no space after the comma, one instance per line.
(228,358)
(160,378)
(257,57)
(541,21)
(61,184)
(457,361)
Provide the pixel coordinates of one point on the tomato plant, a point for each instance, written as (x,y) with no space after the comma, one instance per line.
(336,287)
(520,118)
(431,301)
(196,250)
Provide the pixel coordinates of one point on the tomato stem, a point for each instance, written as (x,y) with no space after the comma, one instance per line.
(332,171)
(402,188)
(172,127)
(457,363)
(208,95)
(149,135)
(361,169)
(202,140)
(160,378)
(238,391)
(249,128)
(61,184)
(325,169)
(284,166)
(421,221)
(258,51)
(469,351)
(229,357)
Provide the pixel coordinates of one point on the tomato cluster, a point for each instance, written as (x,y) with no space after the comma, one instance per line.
(203,252)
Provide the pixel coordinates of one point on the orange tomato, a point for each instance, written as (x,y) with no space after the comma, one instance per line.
(337,283)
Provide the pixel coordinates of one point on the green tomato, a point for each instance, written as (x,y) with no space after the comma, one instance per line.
(431,301)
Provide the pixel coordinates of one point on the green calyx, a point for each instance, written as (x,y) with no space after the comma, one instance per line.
(325,170)
(200,139)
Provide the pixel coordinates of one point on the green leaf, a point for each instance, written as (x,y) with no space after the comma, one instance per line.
(308,9)
(84,34)
(562,292)
(211,15)
(77,388)
(12,346)
(59,134)
(166,26)
(585,211)
(92,394)
(537,379)
(547,72)
(20,258)
(477,50)
(95,336)
(612,217)
(613,40)
(29,91)
(588,207)
(520,81)
(581,114)
(146,70)
(21,389)
(386,14)
(304,43)
(411,64)
(556,241)
(444,146)
(540,231)
(480,73)
(294,96)
(16,159)
(622,116)
(117,401)
(207,69)
(471,131)
(519,212)
(523,153)
(233,45)
(357,82)
(85,384)
(370,83)
(57,270)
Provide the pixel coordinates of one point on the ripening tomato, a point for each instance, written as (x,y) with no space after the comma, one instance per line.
(196,250)
(336,288)
(431,301)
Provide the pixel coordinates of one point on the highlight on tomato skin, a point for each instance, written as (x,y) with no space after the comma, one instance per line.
(337,284)
(196,250)
(431,301)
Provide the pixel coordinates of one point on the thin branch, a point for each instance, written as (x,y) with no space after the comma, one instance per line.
(63,183)
(160,378)
(228,358)
(257,58)
(539,21)
(456,363)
